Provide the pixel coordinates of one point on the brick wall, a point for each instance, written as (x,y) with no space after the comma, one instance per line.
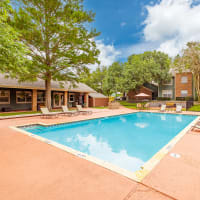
(184,86)
(98,102)
(131,94)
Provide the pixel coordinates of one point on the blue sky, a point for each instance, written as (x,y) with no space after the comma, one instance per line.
(119,21)
(135,26)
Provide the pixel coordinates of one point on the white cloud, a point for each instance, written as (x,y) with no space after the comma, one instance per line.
(172,23)
(123,24)
(108,54)
(138,48)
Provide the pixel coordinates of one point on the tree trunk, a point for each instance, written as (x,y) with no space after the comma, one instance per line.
(48,92)
(197,84)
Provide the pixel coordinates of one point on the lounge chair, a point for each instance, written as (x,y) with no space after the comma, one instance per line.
(197,127)
(81,110)
(163,108)
(46,113)
(147,105)
(69,112)
(178,108)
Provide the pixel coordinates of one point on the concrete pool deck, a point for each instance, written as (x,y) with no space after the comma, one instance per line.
(31,169)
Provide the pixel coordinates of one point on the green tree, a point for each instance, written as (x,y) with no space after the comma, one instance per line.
(146,68)
(95,79)
(13,54)
(190,61)
(58,38)
(113,79)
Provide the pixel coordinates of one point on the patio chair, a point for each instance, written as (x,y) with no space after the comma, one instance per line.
(147,105)
(81,110)
(178,108)
(46,113)
(197,127)
(69,112)
(163,108)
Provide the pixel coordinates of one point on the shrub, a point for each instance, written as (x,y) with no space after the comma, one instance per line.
(184,98)
(163,98)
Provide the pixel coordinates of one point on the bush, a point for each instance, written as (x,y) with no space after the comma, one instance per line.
(184,98)
(163,98)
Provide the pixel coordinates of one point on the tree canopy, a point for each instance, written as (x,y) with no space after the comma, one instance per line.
(146,68)
(190,61)
(13,53)
(57,36)
(95,79)
(121,77)
(114,78)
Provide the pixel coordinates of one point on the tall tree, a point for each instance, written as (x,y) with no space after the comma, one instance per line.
(190,61)
(113,79)
(145,68)
(95,79)
(56,33)
(13,54)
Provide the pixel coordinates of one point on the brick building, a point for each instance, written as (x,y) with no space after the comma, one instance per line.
(132,94)
(181,85)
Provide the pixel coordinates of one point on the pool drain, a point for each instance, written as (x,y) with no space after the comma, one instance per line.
(175,155)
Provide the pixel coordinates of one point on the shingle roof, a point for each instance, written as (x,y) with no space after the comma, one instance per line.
(97,95)
(39,84)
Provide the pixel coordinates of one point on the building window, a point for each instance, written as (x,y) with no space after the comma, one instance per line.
(184,93)
(71,98)
(184,79)
(4,96)
(24,97)
(167,93)
(41,97)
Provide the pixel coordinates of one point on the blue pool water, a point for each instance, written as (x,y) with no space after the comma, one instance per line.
(127,141)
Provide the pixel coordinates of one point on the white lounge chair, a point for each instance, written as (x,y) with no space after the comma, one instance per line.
(81,110)
(178,108)
(163,108)
(196,126)
(67,111)
(46,113)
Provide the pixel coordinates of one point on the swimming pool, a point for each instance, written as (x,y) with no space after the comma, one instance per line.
(126,141)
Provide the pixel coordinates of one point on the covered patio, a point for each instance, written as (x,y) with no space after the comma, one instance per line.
(15,96)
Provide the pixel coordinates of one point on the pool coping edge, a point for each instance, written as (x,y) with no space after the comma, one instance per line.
(138,175)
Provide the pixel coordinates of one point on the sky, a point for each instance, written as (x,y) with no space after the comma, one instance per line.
(134,26)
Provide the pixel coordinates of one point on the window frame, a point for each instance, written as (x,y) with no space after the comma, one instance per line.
(182,95)
(184,82)
(37,97)
(25,102)
(171,93)
(6,96)
(73,97)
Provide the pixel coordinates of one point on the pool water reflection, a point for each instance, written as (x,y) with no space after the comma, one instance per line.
(126,141)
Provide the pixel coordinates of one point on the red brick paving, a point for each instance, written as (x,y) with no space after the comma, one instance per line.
(31,169)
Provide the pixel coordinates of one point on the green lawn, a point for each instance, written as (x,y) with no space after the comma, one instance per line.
(195,108)
(100,107)
(130,105)
(17,113)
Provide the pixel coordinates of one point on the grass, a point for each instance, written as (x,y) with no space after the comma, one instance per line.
(195,108)
(101,107)
(130,105)
(17,113)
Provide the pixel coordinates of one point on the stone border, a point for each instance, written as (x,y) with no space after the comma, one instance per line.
(137,176)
